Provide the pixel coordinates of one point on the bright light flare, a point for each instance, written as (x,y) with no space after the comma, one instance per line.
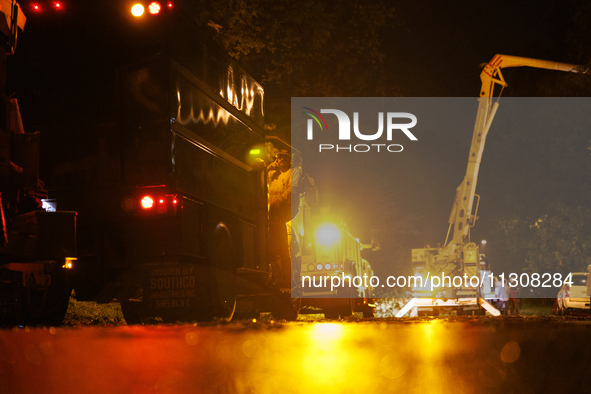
(169,4)
(323,332)
(326,361)
(327,235)
(154,8)
(137,10)
(147,202)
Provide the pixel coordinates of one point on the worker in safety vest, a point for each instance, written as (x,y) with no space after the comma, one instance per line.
(514,303)
(502,292)
(279,177)
(306,195)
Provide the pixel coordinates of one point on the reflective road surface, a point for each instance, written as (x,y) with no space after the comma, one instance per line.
(492,355)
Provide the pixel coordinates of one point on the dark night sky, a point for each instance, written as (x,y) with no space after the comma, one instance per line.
(434,50)
(438,46)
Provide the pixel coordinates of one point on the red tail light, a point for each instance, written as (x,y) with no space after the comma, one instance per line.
(158,201)
(567,291)
(147,202)
(154,8)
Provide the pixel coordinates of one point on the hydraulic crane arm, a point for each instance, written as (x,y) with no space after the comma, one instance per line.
(15,19)
(461,217)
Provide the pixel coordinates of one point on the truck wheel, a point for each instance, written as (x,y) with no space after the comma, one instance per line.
(54,311)
(349,310)
(296,304)
(342,311)
(47,307)
(132,312)
(285,307)
(368,311)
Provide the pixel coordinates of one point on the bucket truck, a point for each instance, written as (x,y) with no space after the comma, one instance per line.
(459,257)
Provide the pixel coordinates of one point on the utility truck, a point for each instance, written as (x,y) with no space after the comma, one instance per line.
(459,257)
(334,277)
(37,246)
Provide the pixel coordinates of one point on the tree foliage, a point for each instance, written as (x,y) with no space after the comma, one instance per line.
(558,241)
(561,241)
(306,48)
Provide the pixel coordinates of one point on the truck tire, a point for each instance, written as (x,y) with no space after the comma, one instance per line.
(47,307)
(54,311)
(368,311)
(285,307)
(332,313)
(342,311)
(132,312)
(349,310)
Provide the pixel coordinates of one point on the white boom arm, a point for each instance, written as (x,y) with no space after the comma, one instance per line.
(461,217)
(15,19)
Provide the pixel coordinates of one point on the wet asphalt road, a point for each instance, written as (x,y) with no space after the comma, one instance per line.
(463,355)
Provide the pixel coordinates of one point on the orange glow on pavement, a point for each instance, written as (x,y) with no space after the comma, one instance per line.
(266,358)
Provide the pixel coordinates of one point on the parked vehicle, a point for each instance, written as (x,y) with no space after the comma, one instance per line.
(572,298)
(37,242)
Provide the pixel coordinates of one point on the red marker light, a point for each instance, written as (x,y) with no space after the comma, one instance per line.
(147,202)
(161,201)
(36,7)
(169,5)
(174,201)
(57,5)
(154,8)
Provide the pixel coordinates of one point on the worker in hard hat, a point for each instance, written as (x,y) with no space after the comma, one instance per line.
(279,178)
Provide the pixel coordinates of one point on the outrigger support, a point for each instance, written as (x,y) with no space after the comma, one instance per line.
(413,305)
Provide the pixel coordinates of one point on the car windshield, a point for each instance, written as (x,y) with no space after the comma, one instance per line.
(579,280)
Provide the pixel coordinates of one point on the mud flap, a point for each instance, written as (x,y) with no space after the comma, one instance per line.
(168,292)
